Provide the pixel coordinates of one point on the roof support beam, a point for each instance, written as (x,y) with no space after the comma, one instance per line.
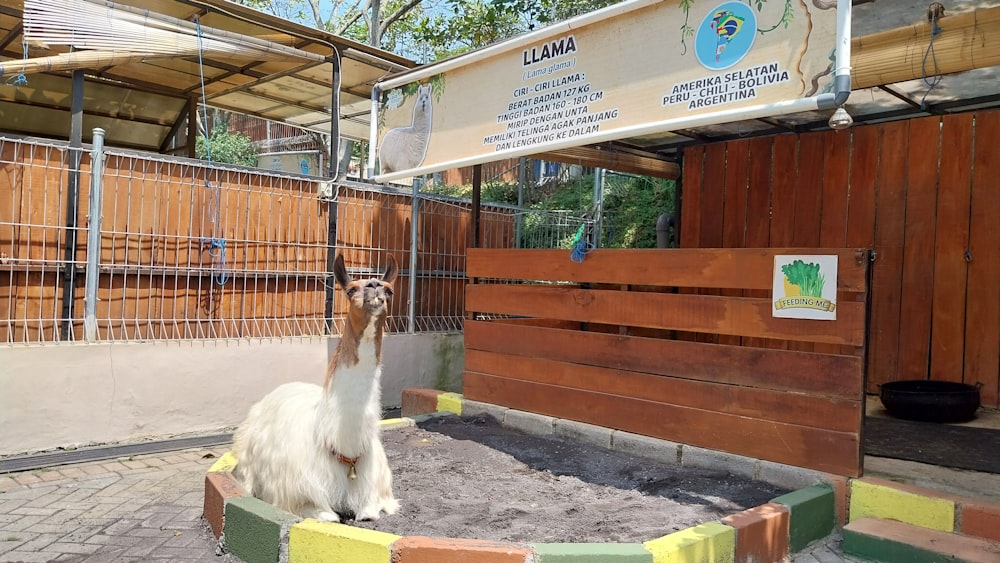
(614,160)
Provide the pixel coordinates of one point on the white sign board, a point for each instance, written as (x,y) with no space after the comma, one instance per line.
(805,287)
(639,67)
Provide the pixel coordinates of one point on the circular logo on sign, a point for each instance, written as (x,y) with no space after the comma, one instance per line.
(725,36)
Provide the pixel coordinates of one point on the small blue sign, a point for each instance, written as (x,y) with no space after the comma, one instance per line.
(304,165)
(725,36)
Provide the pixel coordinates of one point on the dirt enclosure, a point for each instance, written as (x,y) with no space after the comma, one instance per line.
(466,477)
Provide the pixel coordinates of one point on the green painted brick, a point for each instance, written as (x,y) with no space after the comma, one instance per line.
(881,549)
(591,553)
(253,529)
(812,514)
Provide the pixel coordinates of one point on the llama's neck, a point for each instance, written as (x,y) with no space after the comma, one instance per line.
(352,397)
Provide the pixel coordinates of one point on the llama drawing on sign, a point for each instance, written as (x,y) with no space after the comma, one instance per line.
(404,148)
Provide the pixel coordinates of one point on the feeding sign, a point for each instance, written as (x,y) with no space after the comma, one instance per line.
(805,287)
(639,67)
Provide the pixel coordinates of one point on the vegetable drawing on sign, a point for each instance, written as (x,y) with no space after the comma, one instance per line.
(805,287)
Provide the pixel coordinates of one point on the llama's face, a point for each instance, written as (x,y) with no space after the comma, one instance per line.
(368,297)
(371,295)
(423,102)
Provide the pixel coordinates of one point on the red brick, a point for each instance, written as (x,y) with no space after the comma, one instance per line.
(980,519)
(417,549)
(219,486)
(761,533)
(842,496)
(418,400)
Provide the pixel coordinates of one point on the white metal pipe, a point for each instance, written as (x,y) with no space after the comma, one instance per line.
(842,74)
(93,237)
(373,131)
(411,306)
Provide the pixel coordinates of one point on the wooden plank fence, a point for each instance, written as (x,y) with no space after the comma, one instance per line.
(922,193)
(591,342)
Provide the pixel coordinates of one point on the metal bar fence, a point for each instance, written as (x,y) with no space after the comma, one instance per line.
(188,250)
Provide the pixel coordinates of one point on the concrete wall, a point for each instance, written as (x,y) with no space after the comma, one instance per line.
(78,394)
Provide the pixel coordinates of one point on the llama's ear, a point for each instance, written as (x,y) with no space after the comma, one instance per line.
(390,270)
(340,272)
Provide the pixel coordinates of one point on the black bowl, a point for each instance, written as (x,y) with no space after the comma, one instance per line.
(930,401)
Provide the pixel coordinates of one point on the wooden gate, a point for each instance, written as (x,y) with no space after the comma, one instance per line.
(596,342)
(924,194)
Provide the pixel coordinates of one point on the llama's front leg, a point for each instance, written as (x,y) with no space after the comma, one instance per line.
(380,497)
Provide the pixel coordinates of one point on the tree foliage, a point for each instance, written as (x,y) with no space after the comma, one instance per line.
(227,147)
(427,30)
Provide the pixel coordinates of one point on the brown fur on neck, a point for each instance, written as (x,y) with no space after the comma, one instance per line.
(354,330)
(359,317)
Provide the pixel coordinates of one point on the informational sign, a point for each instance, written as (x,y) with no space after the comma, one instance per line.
(639,67)
(805,287)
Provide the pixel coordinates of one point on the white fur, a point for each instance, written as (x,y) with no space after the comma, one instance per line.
(403,148)
(284,447)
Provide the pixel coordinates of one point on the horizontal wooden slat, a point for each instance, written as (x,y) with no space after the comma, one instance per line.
(781,370)
(840,415)
(823,450)
(727,268)
(738,316)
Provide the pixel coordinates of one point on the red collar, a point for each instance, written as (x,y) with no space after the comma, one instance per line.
(348,461)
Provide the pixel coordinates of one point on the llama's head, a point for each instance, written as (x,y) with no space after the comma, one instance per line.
(369,298)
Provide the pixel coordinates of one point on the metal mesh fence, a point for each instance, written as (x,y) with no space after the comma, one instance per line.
(180,249)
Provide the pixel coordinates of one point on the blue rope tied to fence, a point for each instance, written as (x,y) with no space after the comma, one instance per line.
(18,79)
(217,250)
(936,78)
(216,244)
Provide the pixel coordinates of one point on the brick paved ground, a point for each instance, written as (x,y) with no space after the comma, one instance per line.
(146,508)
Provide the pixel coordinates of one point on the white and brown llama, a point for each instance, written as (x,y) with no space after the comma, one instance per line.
(404,148)
(316,451)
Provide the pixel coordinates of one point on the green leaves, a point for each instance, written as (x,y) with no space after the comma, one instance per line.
(805,276)
(226,147)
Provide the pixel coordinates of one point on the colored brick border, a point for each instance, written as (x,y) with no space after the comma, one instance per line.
(872,497)
(258,532)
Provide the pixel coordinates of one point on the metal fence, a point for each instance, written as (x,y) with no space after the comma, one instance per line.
(112,245)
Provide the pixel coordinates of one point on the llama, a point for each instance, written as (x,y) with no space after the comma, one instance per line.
(315,451)
(404,148)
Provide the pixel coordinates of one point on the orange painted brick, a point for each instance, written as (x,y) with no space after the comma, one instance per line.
(419,400)
(761,533)
(418,549)
(980,519)
(219,487)
(841,496)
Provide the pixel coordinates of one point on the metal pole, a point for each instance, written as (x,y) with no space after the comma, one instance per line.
(522,164)
(477,192)
(334,162)
(94,218)
(72,203)
(598,205)
(411,307)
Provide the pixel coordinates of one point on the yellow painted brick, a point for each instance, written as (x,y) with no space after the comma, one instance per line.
(707,543)
(450,402)
(390,423)
(225,463)
(312,541)
(870,500)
